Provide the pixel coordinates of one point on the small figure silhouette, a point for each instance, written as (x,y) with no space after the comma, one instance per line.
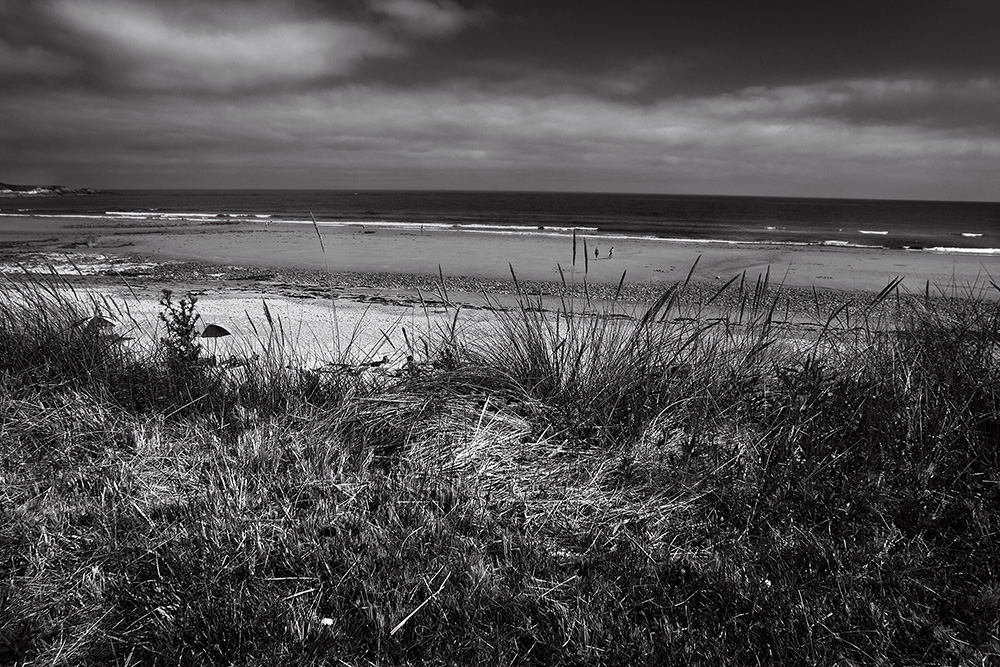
(596,253)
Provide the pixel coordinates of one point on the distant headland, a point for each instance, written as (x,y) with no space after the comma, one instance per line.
(10,190)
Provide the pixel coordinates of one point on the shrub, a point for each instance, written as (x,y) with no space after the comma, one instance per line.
(180,346)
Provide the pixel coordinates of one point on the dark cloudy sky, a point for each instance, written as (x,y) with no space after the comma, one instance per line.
(866,98)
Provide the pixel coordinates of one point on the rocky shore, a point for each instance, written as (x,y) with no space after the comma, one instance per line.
(11,190)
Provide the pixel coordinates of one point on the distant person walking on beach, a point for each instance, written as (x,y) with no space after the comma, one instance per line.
(596,253)
(611,252)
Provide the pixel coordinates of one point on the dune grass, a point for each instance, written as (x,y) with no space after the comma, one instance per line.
(684,483)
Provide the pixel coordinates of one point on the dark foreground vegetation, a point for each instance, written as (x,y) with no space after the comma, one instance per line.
(686,486)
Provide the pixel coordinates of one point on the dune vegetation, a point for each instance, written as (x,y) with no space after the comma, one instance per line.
(705,481)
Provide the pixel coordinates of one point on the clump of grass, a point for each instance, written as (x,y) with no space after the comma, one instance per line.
(48,334)
(683,483)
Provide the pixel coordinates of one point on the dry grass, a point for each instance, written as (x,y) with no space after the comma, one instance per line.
(693,484)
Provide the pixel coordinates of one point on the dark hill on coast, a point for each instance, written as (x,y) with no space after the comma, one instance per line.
(10,190)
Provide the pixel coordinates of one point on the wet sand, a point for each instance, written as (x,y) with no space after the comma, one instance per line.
(489,255)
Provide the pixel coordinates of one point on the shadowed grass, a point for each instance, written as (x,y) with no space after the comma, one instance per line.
(681,484)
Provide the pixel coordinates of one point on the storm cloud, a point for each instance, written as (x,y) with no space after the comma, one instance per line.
(902,101)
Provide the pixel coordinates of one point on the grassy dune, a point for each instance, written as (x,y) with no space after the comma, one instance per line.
(695,483)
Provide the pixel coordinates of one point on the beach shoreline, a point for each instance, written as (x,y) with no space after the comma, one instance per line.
(484,259)
(369,293)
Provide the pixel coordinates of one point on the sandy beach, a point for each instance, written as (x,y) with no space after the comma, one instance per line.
(385,280)
(359,249)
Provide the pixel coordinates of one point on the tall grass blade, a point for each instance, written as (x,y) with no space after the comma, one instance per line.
(886,291)
(444,287)
(621,283)
(722,289)
(318,235)
(691,270)
(513,276)
(661,304)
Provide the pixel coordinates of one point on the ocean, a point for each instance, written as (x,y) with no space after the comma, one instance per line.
(919,226)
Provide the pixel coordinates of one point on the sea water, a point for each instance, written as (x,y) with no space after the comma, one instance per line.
(918,226)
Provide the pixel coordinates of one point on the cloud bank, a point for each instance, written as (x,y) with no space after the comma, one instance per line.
(417,93)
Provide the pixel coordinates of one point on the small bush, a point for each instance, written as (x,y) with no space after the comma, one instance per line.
(180,346)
